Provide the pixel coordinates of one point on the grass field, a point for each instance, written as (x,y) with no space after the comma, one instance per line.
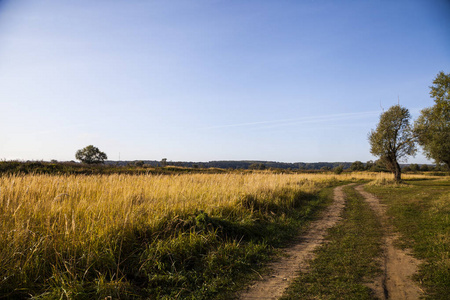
(420,210)
(188,236)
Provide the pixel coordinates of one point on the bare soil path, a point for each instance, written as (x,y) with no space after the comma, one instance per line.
(297,256)
(398,266)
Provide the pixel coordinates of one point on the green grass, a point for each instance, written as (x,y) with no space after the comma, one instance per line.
(215,256)
(420,211)
(346,261)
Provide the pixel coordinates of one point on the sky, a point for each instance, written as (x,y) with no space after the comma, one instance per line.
(288,81)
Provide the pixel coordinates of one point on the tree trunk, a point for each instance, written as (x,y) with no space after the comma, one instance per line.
(397,172)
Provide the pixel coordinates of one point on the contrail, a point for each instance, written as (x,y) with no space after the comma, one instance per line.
(303,120)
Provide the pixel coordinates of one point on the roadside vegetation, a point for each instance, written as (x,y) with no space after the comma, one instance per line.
(347,261)
(420,210)
(195,236)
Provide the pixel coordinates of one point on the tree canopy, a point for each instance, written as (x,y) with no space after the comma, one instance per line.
(357,166)
(91,155)
(393,139)
(432,128)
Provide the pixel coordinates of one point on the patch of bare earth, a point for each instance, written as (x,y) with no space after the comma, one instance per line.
(397,264)
(297,256)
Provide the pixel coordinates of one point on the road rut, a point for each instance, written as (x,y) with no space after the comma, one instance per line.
(297,257)
(397,264)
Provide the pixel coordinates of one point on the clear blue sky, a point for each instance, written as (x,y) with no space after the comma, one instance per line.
(291,81)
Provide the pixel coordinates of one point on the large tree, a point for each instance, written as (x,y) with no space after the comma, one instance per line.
(90,155)
(393,140)
(432,128)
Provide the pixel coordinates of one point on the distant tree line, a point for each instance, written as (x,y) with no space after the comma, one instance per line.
(373,166)
(235,164)
(154,167)
(60,168)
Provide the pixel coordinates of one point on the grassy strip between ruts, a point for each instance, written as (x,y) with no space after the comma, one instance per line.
(347,260)
(420,211)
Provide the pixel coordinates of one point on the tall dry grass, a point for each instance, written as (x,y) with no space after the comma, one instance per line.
(65,231)
(73,205)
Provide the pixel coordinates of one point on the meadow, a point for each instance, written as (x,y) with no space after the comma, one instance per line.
(187,236)
(420,211)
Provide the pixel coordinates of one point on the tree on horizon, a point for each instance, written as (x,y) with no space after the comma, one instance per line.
(91,155)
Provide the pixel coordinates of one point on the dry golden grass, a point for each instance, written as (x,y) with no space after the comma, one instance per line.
(93,205)
(114,200)
(63,227)
(68,223)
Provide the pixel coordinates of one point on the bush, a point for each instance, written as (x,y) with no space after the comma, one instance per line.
(338,170)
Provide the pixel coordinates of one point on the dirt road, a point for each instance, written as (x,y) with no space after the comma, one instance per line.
(297,256)
(398,266)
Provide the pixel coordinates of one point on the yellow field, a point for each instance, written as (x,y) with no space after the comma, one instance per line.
(92,205)
(67,224)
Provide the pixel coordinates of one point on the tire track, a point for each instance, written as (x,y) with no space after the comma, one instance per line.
(398,265)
